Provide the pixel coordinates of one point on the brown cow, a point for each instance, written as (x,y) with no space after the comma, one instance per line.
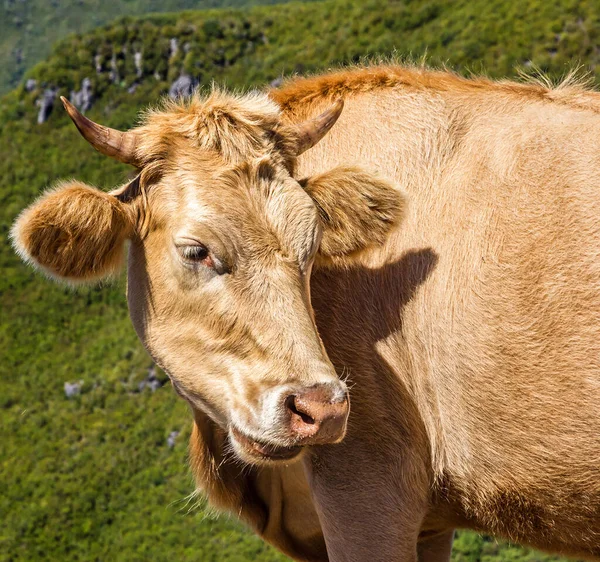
(263,277)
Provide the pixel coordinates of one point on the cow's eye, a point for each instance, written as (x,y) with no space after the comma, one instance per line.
(196,254)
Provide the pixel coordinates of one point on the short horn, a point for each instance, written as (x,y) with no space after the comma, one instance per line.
(312,131)
(110,142)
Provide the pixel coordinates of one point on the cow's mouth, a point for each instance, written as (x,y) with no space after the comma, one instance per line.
(260,451)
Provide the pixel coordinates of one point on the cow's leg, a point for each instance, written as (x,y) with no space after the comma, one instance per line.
(435,547)
(370,508)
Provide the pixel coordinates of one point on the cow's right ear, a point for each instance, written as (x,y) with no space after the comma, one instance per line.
(74,233)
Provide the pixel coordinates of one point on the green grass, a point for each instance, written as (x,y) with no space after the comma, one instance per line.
(91,478)
(29,28)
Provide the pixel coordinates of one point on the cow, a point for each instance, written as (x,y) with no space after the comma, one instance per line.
(378,289)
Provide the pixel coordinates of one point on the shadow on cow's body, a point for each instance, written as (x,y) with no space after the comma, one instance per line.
(388,443)
(382,470)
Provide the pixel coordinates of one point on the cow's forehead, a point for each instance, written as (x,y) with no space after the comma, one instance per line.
(256,204)
(238,128)
(216,160)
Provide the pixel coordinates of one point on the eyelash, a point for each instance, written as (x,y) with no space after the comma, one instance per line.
(196,254)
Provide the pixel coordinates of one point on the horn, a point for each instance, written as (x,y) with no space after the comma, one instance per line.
(110,142)
(312,131)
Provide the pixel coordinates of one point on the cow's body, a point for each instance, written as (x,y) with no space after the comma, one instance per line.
(474,340)
(471,339)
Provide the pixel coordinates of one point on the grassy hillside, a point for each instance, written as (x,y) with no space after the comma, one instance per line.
(92,477)
(29,28)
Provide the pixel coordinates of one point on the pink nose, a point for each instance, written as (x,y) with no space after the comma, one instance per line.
(318,414)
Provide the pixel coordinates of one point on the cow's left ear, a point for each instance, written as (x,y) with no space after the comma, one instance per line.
(358,210)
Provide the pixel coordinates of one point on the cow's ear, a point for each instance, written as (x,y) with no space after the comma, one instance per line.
(74,233)
(358,210)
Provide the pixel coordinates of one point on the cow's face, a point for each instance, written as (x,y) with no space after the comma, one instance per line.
(222,242)
(218,292)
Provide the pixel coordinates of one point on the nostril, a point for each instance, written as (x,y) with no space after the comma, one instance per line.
(317,414)
(292,405)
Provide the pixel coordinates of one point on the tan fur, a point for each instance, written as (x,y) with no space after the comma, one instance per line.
(371,208)
(470,335)
(298,94)
(238,128)
(75,232)
(274,501)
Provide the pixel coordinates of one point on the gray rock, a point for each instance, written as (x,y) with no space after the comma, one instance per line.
(73,388)
(172,438)
(45,103)
(87,94)
(138,60)
(31,84)
(154,383)
(151,381)
(174,46)
(182,87)
(277,82)
(98,64)
(113,75)
(132,88)
(84,98)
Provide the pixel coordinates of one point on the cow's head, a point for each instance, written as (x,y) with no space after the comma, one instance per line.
(222,241)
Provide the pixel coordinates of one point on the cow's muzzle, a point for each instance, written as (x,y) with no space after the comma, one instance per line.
(318,415)
(315,415)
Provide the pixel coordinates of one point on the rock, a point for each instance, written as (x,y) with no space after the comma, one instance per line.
(151,381)
(154,385)
(46,103)
(113,75)
(276,83)
(31,84)
(174,47)
(98,64)
(172,438)
(132,88)
(138,60)
(182,87)
(73,388)
(83,98)
(87,95)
